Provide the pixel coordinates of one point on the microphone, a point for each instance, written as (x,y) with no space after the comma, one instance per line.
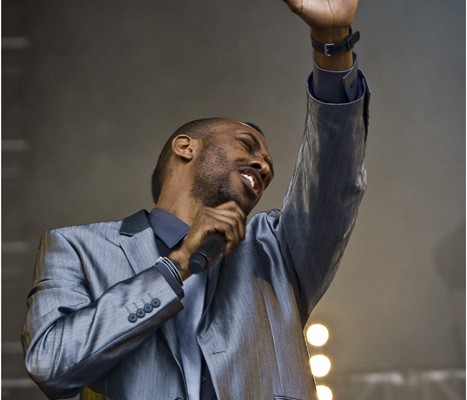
(206,254)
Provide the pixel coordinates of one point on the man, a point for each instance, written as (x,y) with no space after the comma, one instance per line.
(114,306)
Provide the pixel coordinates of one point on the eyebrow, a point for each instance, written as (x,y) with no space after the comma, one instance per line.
(258,146)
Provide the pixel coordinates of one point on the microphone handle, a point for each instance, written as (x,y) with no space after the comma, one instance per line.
(209,251)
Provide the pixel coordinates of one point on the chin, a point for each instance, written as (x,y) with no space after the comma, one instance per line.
(247,207)
(247,203)
(244,201)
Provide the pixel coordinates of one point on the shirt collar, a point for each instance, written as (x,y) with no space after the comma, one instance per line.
(167,227)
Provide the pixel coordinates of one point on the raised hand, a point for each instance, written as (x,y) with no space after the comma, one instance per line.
(325,14)
(329,21)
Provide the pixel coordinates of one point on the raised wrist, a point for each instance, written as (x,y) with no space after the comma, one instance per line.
(332,48)
(329,35)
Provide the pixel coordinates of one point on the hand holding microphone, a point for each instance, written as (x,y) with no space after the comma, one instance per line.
(208,253)
(214,231)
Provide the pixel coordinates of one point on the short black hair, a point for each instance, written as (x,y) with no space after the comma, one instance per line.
(254,126)
(195,129)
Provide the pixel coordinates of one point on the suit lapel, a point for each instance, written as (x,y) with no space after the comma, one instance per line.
(213,275)
(138,242)
(170,333)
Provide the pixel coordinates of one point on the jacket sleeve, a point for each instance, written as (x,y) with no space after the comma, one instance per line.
(71,339)
(322,200)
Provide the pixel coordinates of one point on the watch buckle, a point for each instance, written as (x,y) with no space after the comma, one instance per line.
(328,49)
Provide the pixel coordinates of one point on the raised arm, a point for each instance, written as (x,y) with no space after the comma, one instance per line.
(321,204)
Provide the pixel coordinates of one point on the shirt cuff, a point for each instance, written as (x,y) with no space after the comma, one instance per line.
(336,86)
(171,280)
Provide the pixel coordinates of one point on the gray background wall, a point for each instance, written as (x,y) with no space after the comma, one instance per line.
(92,89)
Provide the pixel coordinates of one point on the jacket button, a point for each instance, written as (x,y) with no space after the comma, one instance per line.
(155,302)
(140,313)
(132,317)
(148,307)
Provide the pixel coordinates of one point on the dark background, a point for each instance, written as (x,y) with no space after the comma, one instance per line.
(91,90)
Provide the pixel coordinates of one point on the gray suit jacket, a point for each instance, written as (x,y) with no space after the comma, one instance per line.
(90,280)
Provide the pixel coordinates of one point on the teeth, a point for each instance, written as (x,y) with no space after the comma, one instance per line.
(252,182)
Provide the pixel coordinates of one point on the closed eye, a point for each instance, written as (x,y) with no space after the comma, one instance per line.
(247,144)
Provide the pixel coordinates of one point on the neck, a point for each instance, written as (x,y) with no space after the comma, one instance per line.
(183,207)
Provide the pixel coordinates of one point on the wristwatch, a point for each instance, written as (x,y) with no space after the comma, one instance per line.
(346,44)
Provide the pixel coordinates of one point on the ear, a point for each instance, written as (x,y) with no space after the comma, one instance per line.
(182,146)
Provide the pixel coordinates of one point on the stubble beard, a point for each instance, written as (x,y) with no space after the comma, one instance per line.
(212,178)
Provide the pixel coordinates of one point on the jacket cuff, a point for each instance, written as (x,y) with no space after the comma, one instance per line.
(336,87)
(176,287)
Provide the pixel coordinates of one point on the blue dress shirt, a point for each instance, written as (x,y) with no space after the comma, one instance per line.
(170,231)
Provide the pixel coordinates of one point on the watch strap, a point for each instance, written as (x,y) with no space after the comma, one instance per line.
(330,49)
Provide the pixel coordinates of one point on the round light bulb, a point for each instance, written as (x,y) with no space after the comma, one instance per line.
(320,365)
(317,334)
(324,393)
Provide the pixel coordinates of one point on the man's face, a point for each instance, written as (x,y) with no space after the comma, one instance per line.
(234,164)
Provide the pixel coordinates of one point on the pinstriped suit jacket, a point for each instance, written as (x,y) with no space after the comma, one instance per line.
(90,278)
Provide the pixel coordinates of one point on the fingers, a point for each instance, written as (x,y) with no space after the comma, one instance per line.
(324,14)
(294,5)
(228,219)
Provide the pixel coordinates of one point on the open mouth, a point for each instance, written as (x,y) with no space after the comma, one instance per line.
(252,180)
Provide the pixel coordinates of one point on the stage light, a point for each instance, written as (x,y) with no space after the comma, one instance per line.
(320,365)
(324,393)
(317,334)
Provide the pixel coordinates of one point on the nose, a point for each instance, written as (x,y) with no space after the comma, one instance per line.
(263,169)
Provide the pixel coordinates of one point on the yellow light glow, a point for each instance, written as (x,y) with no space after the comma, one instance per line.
(317,334)
(320,365)
(324,393)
